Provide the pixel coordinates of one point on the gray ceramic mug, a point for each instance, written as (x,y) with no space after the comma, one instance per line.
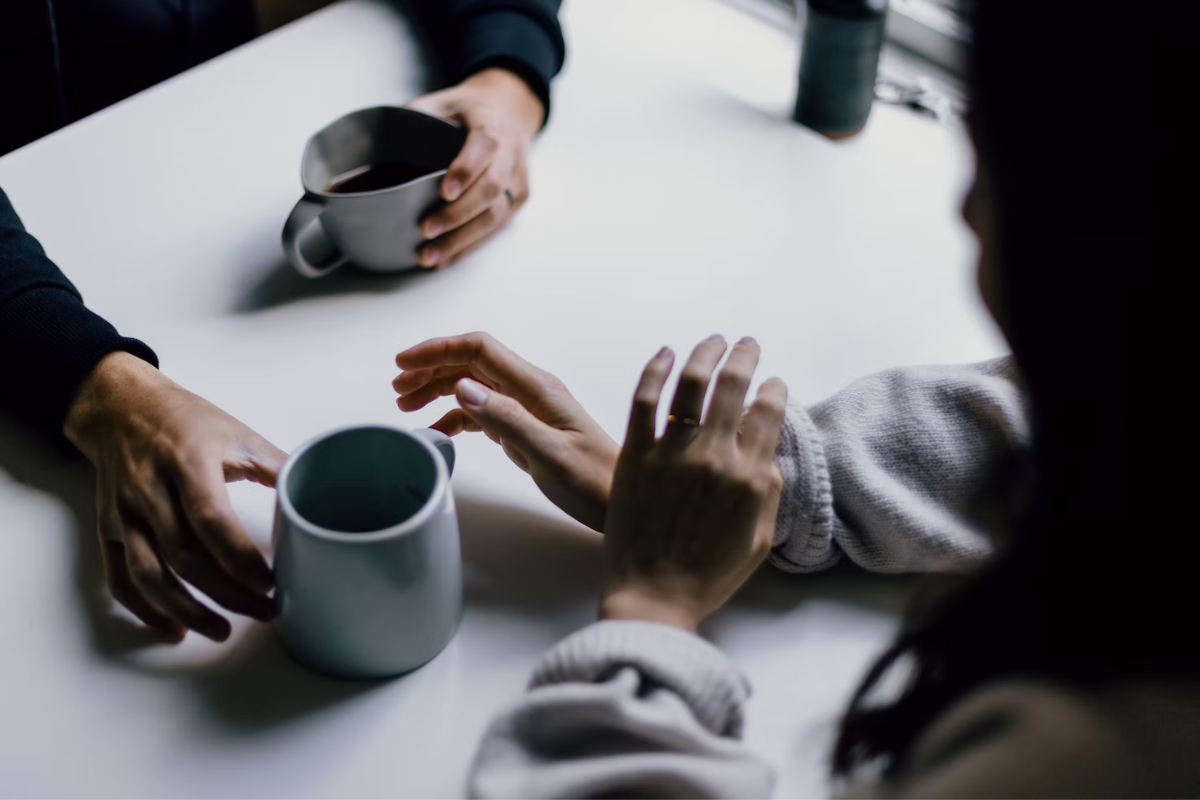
(377,230)
(367,566)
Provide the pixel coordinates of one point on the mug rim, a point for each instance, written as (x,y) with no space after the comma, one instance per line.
(332,195)
(414,522)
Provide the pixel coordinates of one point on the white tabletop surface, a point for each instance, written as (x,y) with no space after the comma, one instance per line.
(671,198)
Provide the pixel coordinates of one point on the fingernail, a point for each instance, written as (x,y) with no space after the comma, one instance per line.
(430,229)
(471,393)
(428,257)
(450,189)
(716,337)
(748,340)
(664,353)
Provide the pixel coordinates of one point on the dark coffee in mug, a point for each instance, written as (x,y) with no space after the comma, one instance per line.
(373,177)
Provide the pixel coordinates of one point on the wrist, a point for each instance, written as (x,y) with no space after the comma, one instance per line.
(526,106)
(112,384)
(647,604)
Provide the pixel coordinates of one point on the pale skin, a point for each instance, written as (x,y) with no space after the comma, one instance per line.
(687,517)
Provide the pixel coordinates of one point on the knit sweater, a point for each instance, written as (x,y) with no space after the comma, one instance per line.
(639,709)
(889,472)
(892,470)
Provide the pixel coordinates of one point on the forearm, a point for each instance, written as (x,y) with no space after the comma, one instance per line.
(899,471)
(624,709)
(51,340)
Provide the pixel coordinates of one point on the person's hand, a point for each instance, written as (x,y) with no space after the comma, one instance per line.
(487,182)
(692,514)
(162,457)
(528,411)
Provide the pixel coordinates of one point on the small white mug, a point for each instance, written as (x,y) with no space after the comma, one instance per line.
(367,560)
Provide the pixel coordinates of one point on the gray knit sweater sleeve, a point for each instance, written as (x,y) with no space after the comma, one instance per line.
(891,470)
(624,709)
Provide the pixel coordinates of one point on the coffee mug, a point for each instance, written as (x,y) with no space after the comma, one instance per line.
(369,178)
(367,566)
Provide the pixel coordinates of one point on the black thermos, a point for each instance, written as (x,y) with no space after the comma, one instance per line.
(838,61)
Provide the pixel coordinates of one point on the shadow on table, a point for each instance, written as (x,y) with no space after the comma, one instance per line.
(526,561)
(47,466)
(255,685)
(252,685)
(771,589)
(280,285)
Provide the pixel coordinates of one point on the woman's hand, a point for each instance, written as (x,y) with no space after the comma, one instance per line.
(162,457)
(487,182)
(528,411)
(692,514)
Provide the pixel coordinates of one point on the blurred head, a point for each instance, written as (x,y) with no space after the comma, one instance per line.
(1084,195)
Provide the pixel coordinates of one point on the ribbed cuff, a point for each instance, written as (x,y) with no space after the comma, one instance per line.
(51,342)
(804,525)
(714,689)
(516,42)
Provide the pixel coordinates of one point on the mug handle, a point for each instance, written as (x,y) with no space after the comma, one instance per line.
(304,214)
(443,443)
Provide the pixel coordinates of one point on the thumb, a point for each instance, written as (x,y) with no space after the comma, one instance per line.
(501,417)
(264,462)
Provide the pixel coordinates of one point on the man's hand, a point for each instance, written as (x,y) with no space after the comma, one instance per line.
(487,182)
(162,457)
(528,411)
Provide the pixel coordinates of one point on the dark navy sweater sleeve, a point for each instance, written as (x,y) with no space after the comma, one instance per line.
(49,340)
(523,36)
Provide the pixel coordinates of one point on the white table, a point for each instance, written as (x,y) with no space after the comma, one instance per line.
(672,198)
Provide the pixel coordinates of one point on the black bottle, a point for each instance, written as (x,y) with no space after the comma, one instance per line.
(839,58)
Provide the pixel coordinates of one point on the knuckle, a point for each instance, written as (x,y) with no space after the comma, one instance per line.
(691,382)
(208,516)
(736,377)
(144,573)
(645,399)
(490,187)
(489,137)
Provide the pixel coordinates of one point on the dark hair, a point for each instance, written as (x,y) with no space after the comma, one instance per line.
(1077,115)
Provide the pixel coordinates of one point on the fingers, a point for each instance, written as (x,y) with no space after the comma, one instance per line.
(499,416)
(438,385)
(455,422)
(484,358)
(155,582)
(190,557)
(266,460)
(478,152)
(640,436)
(116,571)
(725,410)
(484,193)
(764,421)
(444,250)
(205,502)
(693,384)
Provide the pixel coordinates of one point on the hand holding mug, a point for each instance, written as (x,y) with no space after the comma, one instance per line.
(162,457)
(692,514)
(526,410)
(488,181)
